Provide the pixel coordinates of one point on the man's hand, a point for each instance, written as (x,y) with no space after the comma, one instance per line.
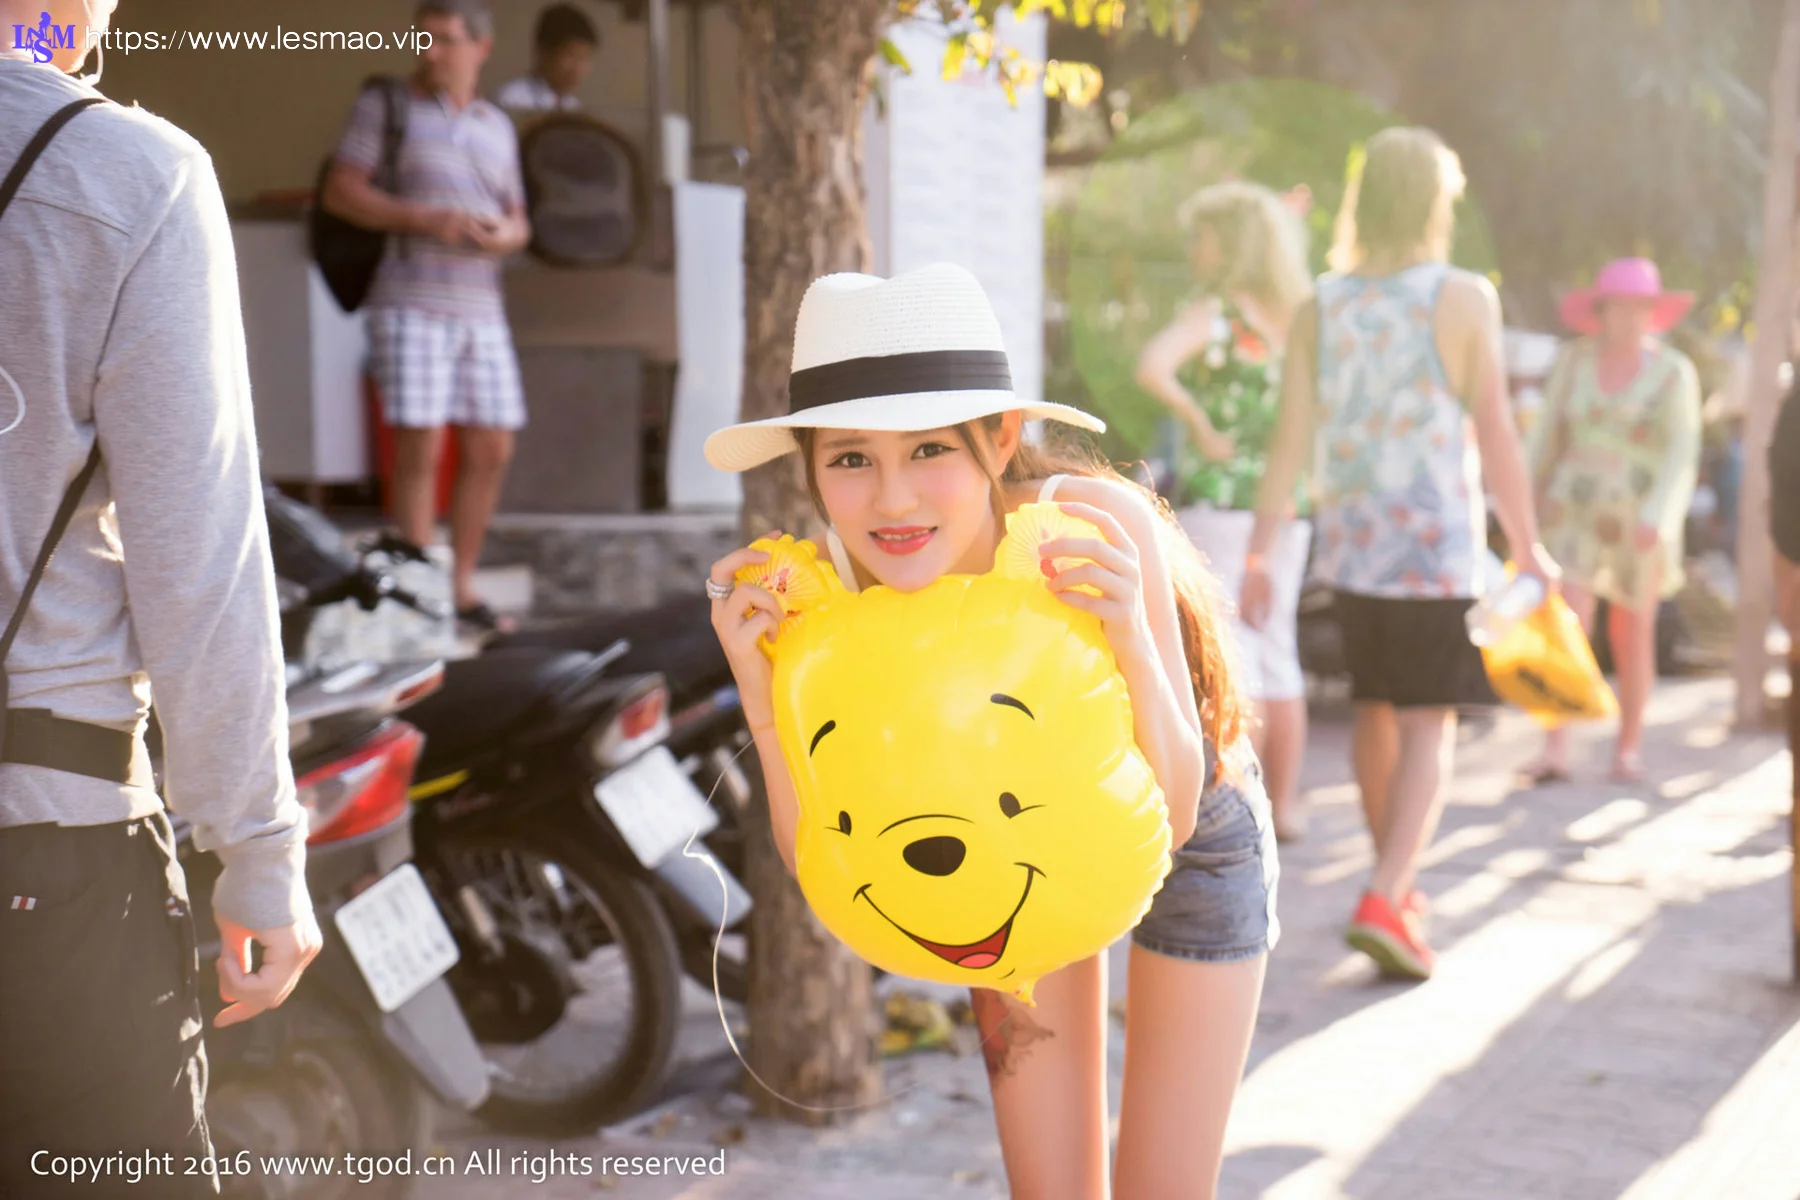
(1787,599)
(452,226)
(492,236)
(286,951)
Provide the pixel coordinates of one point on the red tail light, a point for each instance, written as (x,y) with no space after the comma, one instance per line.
(635,728)
(642,715)
(364,790)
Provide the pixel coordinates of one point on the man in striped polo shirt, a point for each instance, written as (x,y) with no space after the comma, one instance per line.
(439,345)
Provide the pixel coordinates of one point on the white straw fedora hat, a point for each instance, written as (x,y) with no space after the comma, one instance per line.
(919,351)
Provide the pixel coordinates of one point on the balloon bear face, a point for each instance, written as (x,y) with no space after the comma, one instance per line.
(973,807)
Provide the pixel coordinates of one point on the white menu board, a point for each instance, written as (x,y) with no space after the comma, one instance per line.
(955,173)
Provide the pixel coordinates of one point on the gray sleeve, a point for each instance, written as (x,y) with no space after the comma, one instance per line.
(172,407)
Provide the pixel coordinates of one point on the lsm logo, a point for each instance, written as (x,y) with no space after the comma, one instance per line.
(44,38)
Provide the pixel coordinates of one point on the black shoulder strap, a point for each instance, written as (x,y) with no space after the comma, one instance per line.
(58,524)
(72,497)
(396,100)
(36,145)
(394,112)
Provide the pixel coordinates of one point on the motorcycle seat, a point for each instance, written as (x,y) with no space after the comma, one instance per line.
(675,639)
(484,698)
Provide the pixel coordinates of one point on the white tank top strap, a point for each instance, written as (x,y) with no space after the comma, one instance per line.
(840,558)
(1047,493)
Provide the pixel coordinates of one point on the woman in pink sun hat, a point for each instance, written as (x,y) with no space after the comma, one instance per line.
(1614,459)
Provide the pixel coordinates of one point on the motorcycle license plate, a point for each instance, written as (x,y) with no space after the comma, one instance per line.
(655,806)
(396,936)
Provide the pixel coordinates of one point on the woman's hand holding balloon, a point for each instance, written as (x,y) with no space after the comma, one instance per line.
(750,613)
(1112,568)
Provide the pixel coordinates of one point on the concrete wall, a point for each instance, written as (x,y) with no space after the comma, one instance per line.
(270,116)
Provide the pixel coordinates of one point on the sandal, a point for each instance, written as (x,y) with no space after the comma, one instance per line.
(484,618)
(1546,775)
(1628,769)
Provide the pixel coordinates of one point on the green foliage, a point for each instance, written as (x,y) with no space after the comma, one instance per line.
(970,41)
(1120,260)
(1597,129)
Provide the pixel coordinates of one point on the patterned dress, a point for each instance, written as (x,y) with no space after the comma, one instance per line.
(1237,383)
(1397,477)
(1606,463)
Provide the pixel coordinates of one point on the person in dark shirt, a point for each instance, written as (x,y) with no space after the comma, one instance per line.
(1784,509)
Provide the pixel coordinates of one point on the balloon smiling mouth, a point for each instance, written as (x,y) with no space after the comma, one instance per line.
(975,956)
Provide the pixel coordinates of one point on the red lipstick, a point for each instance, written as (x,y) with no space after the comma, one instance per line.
(902,539)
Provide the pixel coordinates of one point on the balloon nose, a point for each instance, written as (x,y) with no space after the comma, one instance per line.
(935,855)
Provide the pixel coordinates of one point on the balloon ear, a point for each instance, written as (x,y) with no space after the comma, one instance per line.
(1028,527)
(793,574)
(796,578)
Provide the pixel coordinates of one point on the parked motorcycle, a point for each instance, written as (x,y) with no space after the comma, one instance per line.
(711,743)
(349,1064)
(551,823)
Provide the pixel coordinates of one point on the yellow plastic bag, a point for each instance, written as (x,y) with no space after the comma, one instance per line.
(1545,665)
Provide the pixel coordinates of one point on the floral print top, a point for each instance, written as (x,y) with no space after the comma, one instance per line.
(1237,383)
(1396,475)
(1607,463)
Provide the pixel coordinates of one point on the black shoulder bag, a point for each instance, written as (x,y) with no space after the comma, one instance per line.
(349,255)
(34,736)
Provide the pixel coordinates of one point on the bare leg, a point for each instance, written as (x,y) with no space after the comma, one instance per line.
(1416,795)
(416,454)
(1188,1027)
(1374,751)
(1633,634)
(1280,746)
(1556,741)
(484,456)
(1047,1071)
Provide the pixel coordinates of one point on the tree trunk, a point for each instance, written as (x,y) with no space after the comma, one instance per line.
(1774,323)
(804,77)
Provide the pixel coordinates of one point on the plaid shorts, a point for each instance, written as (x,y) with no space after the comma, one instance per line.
(436,370)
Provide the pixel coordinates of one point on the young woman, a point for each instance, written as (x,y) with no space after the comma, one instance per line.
(912,443)
(1614,463)
(1395,392)
(1250,265)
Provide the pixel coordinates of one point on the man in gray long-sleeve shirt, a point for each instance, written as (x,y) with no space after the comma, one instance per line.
(120,325)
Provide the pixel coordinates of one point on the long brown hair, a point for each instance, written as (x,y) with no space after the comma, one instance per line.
(1198,603)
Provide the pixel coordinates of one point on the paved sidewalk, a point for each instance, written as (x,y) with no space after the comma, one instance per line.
(1612,1014)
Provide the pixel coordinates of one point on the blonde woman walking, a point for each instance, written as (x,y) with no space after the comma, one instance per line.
(1395,388)
(1217,367)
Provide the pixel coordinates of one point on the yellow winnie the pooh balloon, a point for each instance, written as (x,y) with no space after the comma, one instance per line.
(973,806)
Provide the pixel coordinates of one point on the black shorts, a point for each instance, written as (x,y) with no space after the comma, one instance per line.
(1410,653)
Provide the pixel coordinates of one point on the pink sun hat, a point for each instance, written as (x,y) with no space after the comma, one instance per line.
(1636,278)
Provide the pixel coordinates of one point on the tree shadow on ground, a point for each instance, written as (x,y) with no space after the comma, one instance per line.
(1608,1066)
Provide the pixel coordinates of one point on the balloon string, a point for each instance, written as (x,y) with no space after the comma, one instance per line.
(719,998)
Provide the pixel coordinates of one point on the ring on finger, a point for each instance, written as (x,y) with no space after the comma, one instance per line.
(716,590)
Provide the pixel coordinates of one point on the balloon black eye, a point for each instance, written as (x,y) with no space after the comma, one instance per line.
(1009,804)
(843,822)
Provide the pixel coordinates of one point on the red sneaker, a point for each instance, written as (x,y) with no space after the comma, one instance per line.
(1392,937)
(1418,904)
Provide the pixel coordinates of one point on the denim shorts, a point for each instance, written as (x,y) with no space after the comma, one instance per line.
(1218,902)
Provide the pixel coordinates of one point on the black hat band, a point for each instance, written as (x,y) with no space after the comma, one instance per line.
(899,375)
